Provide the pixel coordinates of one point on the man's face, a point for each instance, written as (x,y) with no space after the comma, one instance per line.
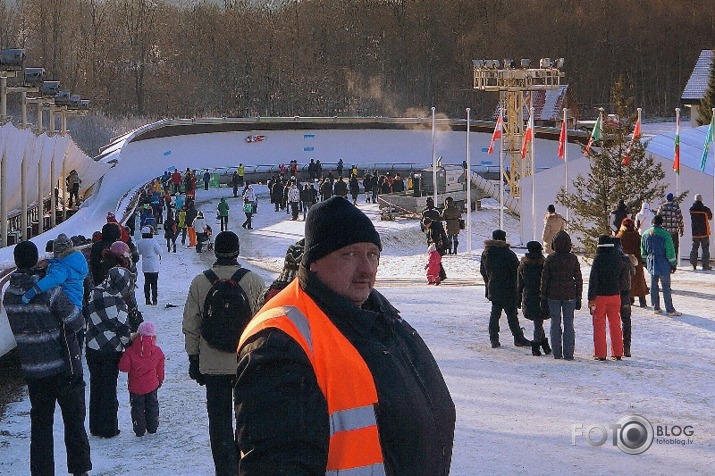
(349,271)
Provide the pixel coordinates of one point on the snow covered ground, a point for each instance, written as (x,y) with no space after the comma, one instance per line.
(516,413)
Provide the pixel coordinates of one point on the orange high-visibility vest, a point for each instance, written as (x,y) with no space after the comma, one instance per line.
(341,373)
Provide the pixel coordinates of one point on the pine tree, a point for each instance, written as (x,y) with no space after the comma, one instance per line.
(608,181)
(708,100)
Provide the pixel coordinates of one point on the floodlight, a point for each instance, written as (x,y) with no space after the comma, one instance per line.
(509,63)
(545,63)
(560,63)
(84,104)
(11,59)
(34,77)
(496,64)
(49,89)
(525,63)
(63,97)
(478,63)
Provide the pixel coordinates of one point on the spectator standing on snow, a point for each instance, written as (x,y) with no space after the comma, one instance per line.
(644,218)
(213,367)
(241,174)
(144,363)
(207,179)
(354,188)
(561,291)
(47,336)
(293,200)
(307,199)
(631,243)
(553,223)
(659,255)
(222,209)
(350,354)
(452,217)
(150,252)
(618,215)
(672,220)
(73,182)
(498,268)
(434,265)
(700,217)
(248,210)
(528,295)
(171,230)
(604,299)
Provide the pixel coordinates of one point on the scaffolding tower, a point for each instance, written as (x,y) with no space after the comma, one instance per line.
(515,86)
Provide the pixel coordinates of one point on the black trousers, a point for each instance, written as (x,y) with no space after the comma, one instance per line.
(171,243)
(145,412)
(219,405)
(626,318)
(68,392)
(103,403)
(224,223)
(151,285)
(512,318)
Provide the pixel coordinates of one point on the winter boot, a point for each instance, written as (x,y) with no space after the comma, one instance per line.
(495,341)
(545,346)
(521,341)
(626,350)
(535,348)
(148,301)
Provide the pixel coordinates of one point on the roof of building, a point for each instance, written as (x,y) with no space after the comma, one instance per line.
(698,83)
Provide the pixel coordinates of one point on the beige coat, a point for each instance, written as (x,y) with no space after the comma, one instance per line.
(212,361)
(553,223)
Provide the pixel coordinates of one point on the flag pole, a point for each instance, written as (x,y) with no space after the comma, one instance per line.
(677,172)
(501,177)
(434,162)
(468,175)
(566,160)
(533,174)
(677,134)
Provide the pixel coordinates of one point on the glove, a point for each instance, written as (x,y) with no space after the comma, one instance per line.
(578,304)
(194,371)
(673,268)
(591,306)
(31,293)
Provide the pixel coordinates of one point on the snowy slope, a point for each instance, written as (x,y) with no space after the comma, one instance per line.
(515,412)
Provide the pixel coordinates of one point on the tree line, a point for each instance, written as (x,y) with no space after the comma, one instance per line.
(155,58)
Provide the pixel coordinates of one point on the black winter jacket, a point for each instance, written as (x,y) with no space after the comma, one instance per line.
(561,279)
(529,286)
(282,420)
(700,217)
(498,268)
(605,277)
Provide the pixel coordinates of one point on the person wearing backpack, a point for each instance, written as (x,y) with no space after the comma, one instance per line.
(211,338)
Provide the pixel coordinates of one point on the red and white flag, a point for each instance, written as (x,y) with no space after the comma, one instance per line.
(562,141)
(528,137)
(496,135)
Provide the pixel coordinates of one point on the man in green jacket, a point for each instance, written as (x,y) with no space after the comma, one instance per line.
(223,213)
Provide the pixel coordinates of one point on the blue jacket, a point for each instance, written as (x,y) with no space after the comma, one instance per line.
(658,251)
(68,272)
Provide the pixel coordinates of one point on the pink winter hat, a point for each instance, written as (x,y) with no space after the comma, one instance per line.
(119,248)
(147,328)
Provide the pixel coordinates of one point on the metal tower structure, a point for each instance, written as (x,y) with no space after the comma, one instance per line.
(515,86)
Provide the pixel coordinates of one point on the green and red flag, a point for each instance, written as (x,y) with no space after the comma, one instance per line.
(595,134)
(676,155)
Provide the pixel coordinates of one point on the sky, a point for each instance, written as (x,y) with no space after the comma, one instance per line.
(516,413)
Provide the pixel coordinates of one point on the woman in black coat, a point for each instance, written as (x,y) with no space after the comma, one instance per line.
(528,290)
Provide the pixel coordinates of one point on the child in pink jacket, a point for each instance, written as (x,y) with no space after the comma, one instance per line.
(144,362)
(434,264)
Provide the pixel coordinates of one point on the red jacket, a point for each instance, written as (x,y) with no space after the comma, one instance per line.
(433,266)
(144,361)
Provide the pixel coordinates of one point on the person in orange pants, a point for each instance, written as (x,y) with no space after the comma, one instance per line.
(604,298)
(192,236)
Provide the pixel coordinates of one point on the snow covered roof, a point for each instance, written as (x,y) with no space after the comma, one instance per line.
(698,82)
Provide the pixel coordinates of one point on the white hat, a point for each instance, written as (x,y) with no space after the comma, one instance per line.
(147,230)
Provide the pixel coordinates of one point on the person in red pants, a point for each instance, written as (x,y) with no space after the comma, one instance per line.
(604,298)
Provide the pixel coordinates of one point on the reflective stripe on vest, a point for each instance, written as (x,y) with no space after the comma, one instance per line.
(342,375)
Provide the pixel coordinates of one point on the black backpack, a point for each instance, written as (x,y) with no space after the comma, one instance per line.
(226,311)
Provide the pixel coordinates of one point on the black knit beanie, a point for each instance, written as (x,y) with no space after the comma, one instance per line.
(226,245)
(334,224)
(25,254)
(499,235)
(534,247)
